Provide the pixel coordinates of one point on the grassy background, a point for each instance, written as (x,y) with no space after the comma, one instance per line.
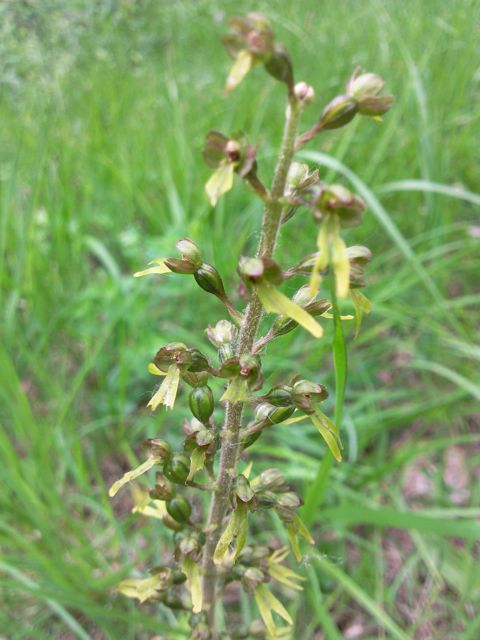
(103,109)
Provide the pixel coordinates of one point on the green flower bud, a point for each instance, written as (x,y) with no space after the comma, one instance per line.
(279,396)
(179,509)
(178,577)
(209,280)
(158,448)
(201,403)
(177,469)
(171,523)
(189,251)
(267,412)
(339,112)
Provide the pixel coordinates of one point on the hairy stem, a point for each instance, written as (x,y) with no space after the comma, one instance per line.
(233,416)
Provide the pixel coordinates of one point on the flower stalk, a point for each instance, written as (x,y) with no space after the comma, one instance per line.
(231,431)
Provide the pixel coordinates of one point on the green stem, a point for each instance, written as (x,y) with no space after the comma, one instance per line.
(233,416)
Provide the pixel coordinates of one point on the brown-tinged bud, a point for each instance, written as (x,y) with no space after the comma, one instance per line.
(209,280)
(304,92)
(163,489)
(224,332)
(190,545)
(198,362)
(359,257)
(266,500)
(195,379)
(179,509)
(364,89)
(242,489)
(252,577)
(201,403)
(183,267)
(279,65)
(270,480)
(177,469)
(173,353)
(189,251)
(288,500)
(339,112)
(268,413)
(250,368)
(204,437)
(306,395)
(158,448)
(259,269)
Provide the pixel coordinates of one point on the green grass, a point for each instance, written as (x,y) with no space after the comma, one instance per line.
(103,110)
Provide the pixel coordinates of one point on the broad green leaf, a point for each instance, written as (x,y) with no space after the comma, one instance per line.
(274,301)
(131,475)
(241,66)
(192,570)
(167,391)
(220,182)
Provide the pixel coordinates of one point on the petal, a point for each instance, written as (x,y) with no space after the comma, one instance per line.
(362,306)
(192,570)
(167,392)
(197,462)
(159,269)
(241,66)
(322,259)
(154,370)
(220,182)
(341,264)
(329,437)
(237,390)
(142,589)
(131,475)
(274,301)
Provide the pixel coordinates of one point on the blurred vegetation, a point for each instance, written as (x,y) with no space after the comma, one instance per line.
(103,109)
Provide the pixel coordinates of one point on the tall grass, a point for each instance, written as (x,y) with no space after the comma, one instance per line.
(102,113)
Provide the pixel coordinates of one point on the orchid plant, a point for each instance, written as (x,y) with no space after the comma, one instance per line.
(214,549)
